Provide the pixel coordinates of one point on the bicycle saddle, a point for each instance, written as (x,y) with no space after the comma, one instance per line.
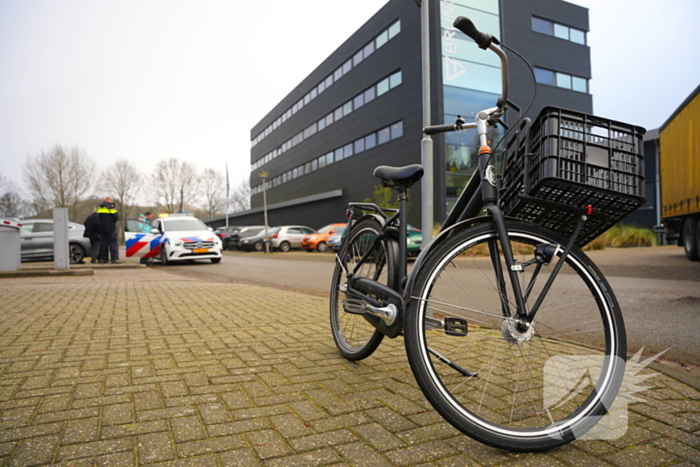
(407,175)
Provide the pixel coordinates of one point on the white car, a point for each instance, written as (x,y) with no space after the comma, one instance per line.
(174,238)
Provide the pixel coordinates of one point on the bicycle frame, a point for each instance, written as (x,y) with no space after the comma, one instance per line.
(480,192)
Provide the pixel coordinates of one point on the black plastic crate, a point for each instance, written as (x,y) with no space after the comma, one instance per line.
(568,160)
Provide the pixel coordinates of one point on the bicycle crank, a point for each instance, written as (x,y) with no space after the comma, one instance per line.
(388,313)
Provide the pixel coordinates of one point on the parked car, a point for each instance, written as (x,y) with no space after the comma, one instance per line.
(287,237)
(242,232)
(252,243)
(317,241)
(177,237)
(334,241)
(282,238)
(37,241)
(224,233)
(414,240)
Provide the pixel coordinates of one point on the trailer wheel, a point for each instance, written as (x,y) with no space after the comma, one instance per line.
(690,239)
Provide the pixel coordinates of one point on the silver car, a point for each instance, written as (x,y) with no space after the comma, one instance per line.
(37,240)
(285,237)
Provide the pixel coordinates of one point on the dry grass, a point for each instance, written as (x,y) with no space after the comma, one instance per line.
(622,236)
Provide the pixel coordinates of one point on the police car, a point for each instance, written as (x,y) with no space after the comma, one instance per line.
(171,238)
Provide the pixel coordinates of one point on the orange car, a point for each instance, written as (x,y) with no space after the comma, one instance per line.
(317,241)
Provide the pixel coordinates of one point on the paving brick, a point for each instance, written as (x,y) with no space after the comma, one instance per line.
(268,444)
(94,449)
(641,456)
(312,458)
(36,451)
(427,452)
(187,429)
(206,446)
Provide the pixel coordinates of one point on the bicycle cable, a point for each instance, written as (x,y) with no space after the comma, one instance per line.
(527,109)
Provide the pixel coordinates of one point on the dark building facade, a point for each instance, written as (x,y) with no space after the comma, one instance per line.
(362,107)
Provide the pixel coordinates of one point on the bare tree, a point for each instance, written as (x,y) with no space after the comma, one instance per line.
(174,185)
(123,182)
(240,198)
(11,202)
(213,188)
(59,178)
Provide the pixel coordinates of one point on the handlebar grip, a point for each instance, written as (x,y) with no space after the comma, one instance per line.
(433,130)
(482,39)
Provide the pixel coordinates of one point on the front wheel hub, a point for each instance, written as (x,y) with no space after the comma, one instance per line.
(516,333)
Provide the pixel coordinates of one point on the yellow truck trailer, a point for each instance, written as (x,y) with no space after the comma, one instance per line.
(679,157)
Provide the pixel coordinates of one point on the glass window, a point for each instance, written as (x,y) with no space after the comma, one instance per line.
(301,103)
(329,81)
(338,74)
(347,66)
(321,162)
(382,86)
(577,36)
(329,158)
(541,25)
(579,84)
(369,95)
(357,58)
(382,39)
(329,119)
(563,80)
(347,108)
(314,165)
(395,80)
(321,87)
(394,29)
(370,141)
(359,145)
(321,124)
(339,154)
(359,101)
(307,168)
(544,76)
(560,31)
(310,131)
(384,135)
(295,108)
(397,130)
(313,93)
(338,114)
(369,48)
(307,98)
(347,151)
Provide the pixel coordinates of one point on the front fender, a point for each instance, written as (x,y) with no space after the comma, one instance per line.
(430,247)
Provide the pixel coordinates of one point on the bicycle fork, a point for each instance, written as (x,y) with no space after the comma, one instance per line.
(523,317)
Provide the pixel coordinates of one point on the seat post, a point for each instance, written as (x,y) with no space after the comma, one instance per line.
(403,228)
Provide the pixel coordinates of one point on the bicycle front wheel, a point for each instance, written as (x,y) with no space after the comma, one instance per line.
(510,387)
(354,336)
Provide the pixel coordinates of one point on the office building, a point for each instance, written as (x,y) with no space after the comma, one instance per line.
(362,107)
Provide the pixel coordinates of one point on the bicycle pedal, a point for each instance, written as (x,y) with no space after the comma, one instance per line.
(354,306)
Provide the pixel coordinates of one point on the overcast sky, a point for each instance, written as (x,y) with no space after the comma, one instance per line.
(148,80)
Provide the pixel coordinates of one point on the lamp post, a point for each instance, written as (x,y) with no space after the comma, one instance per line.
(264,175)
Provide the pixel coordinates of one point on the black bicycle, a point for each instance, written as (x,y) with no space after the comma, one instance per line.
(513,334)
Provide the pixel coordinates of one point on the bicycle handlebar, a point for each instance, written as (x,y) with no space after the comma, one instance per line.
(484,41)
(433,130)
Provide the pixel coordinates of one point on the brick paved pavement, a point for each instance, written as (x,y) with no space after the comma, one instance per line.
(142,367)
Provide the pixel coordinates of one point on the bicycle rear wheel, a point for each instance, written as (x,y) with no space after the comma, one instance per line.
(515,389)
(354,336)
